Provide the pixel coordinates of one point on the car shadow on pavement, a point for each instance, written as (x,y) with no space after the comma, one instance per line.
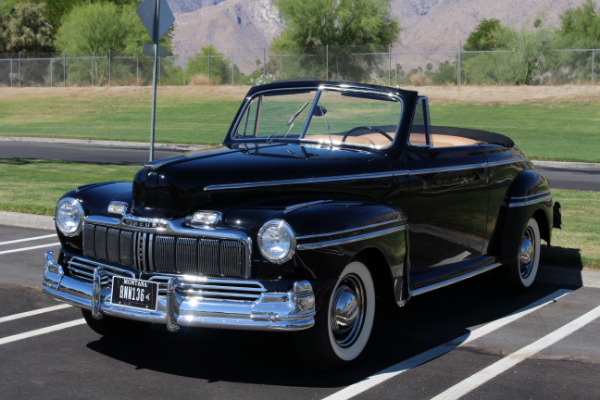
(269,358)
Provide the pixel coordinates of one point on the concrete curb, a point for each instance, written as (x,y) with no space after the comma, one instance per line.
(107,143)
(26,220)
(570,277)
(576,166)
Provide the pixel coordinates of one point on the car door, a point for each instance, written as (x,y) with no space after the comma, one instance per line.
(447,201)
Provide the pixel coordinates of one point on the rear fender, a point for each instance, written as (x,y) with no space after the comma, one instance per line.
(528,196)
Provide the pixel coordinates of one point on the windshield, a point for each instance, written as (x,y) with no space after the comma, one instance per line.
(328,116)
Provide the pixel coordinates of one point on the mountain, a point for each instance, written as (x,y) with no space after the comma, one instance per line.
(244,28)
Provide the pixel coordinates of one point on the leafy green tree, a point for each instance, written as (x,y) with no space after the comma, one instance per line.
(210,59)
(579,29)
(94,29)
(24,29)
(488,35)
(346,26)
(528,54)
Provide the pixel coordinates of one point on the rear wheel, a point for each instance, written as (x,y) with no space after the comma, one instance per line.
(342,330)
(117,328)
(522,271)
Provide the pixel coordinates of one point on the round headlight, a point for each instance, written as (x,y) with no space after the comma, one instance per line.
(68,216)
(277,241)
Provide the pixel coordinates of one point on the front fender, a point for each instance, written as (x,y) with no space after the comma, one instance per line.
(95,199)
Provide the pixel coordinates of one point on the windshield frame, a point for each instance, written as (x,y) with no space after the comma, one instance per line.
(318,90)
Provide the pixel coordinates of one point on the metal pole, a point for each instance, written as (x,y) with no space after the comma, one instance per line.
(154,70)
(65,68)
(92,70)
(209,66)
(51,72)
(11,72)
(265,64)
(232,74)
(19,69)
(184,62)
(327,62)
(109,71)
(137,71)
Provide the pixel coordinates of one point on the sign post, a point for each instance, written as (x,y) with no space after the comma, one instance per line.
(157,19)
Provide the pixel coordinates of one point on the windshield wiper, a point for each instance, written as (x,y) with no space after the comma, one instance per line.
(289,121)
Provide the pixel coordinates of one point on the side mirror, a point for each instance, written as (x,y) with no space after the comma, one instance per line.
(319,111)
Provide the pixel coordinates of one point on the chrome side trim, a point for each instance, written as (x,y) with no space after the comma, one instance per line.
(351,239)
(378,175)
(247,185)
(347,231)
(295,207)
(523,201)
(438,285)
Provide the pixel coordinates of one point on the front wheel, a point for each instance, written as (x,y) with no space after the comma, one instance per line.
(523,270)
(116,328)
(342,330)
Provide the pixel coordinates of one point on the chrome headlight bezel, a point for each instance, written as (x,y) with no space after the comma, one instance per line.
(277,241)
(68,216)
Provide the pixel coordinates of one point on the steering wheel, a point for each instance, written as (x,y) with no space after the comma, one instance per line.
(369,128)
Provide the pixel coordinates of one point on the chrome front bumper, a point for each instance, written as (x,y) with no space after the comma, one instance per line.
(288,311)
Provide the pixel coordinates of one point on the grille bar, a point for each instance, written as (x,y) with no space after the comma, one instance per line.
(170,254)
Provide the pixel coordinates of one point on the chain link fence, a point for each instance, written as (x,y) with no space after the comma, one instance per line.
(385,67)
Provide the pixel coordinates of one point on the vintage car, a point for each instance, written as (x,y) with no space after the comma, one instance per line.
(325,200)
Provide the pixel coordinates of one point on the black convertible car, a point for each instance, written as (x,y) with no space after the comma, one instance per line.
(326,200)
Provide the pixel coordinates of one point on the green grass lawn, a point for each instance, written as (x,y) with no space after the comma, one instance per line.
(34,186)
(545,131)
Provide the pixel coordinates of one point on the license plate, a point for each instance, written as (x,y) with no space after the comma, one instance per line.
(135,293)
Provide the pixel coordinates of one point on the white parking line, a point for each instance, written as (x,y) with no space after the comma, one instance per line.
(34,312)
(29,248)
(28,239)
(42,331)
(486,374)
(403,366)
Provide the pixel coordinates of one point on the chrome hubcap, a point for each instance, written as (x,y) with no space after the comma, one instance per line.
(347,311)
(527,253)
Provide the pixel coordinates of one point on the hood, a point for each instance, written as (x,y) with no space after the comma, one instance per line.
(212,180)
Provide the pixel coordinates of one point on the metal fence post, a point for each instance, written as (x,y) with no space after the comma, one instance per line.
(19,69)
(92,58)
(265,64)
(232,72)
(458,65)
(209,66)
(184,68)
(109,71)
(390,68)
(593,57)
(51,72)
(396,70)
(65,68)
(137,71)
(11,72)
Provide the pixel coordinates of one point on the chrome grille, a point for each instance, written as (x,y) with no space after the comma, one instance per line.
(201,288)
(170,254)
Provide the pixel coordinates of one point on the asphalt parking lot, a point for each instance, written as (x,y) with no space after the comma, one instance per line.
(467,341)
